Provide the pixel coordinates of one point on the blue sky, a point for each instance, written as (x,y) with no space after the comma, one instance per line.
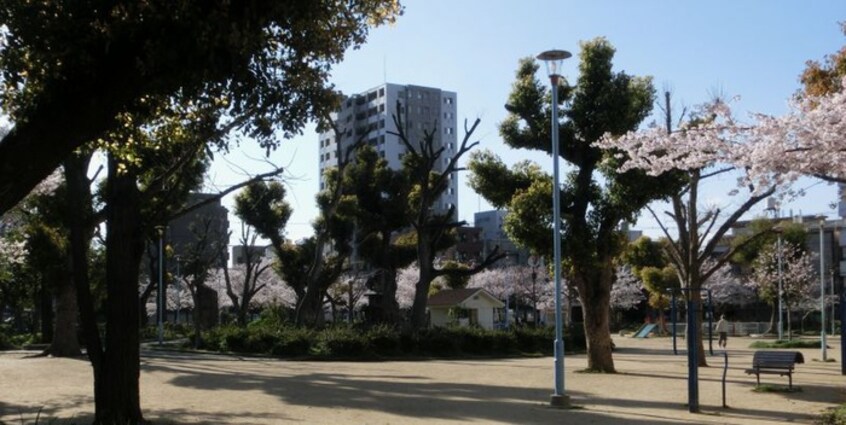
(752,49)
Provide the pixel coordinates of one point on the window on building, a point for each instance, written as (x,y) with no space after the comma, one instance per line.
(382,108)
(382,154)
(382,140)
(381,123)
(448,100)
(381,92)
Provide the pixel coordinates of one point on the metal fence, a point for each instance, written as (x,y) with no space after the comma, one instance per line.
(735,328)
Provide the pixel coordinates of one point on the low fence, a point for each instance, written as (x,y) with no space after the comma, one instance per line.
(735,328)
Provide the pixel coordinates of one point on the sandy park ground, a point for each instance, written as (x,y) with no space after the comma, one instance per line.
(651,388)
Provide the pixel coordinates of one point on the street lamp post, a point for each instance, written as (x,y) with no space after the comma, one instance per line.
(822,291)
(553,59)
(161,298)
(780,294)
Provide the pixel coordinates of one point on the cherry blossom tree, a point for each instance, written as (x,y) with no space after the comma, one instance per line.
(627,291)
(727,289)
(348,291)
(711,144)
(406,286)
(797,277)
(494,280)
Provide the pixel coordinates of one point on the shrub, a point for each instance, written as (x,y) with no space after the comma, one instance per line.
(341,341)
(384,340)
(344,341)
(438,342)
(5,340)
(833,416)
(293,342)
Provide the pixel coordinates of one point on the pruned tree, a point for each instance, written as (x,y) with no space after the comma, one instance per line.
(380,213)
(596,197)
(430,167)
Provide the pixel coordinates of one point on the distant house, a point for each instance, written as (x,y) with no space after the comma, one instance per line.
(471,306)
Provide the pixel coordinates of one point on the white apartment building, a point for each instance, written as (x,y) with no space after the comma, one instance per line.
(369,115)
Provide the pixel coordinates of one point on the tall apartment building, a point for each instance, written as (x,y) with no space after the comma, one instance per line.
(369,115)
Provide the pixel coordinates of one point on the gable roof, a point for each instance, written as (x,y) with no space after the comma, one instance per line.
(452,297)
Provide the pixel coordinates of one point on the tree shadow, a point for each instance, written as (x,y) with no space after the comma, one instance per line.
(14,414)
(390,394)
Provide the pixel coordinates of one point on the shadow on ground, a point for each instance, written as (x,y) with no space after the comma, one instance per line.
(414,397)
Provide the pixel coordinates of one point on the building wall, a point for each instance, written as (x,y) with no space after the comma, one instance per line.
(184,232)
(439,316)
(484,308)
(493,235)
(369,116)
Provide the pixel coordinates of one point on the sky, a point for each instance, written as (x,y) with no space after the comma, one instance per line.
(754,49)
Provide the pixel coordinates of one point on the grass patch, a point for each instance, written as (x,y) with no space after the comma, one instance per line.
(783,343)
(766,388)
(833,416)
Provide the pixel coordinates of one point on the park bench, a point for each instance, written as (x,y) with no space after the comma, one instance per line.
(776,363)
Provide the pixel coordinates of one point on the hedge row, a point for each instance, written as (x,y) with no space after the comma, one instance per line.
(344,342)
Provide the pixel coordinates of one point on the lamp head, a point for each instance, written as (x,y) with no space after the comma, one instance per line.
(553,60)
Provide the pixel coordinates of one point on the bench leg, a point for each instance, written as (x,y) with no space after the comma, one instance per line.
(758,377)
(790,381)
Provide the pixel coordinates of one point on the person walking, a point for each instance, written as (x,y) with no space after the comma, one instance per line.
(722,330)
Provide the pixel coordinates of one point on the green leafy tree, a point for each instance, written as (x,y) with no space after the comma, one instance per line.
(380,212)
(73,73)
(649,263)
(595,198)
(69,69)
(261,206)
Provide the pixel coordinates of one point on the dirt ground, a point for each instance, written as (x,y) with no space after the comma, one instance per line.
(650,388)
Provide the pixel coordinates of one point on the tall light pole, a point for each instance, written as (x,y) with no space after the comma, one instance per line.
(553,60)
(822,290)
(160,291)
(780,308)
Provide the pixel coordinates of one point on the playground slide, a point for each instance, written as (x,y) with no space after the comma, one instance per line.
(645,330)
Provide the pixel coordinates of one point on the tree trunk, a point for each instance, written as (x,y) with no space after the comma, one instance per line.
(700,347)
(80,230)
(65,342)
(771,329)
(116,393)
(789,324)
(388,306)
(45,309)
(596,305)
(425,258)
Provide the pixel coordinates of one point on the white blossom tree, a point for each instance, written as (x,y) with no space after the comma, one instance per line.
(797,277)
(406,286)
(727,289)
(348,291)
(627,291)
(710,145)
